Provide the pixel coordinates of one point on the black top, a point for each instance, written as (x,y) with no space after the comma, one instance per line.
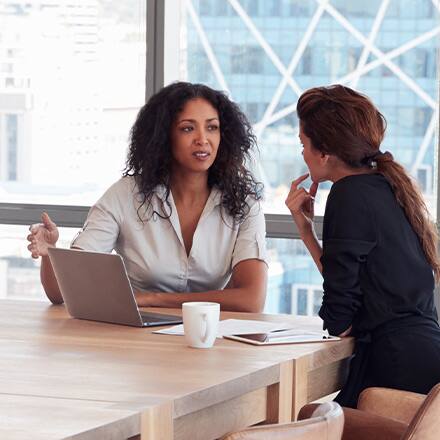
(373,265)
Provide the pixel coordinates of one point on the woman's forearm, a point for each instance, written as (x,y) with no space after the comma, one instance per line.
(49,281)
(311,242)
(245,292)
(235,299)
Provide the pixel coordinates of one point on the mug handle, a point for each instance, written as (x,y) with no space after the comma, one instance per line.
(208,327)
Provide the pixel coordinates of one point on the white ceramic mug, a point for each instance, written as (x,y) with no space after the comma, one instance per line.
(200,323)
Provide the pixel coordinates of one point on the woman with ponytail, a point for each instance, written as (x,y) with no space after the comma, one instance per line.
(379,256)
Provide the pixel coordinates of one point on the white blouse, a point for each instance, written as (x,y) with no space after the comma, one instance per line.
(153,250)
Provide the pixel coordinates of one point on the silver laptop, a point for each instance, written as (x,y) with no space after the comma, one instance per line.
(95,286)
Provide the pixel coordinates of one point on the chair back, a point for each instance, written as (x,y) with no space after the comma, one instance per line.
(327,422)
(426,423)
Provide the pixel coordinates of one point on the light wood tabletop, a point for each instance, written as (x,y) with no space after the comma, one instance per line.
(114,381)
(43,418)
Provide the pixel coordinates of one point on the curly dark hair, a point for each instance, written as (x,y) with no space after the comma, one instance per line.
(150,157)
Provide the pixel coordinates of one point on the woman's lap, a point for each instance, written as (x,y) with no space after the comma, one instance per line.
(407,359)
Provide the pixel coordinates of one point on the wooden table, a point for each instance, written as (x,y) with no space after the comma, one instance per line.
(65,378)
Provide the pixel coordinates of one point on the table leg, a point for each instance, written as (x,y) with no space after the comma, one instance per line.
(299,386)
(279,396)
(157,423)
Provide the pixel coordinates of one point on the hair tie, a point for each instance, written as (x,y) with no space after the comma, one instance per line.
(371,161)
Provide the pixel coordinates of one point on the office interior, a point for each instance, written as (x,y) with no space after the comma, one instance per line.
(74,74)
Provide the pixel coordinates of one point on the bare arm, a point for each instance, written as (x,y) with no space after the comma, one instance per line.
(49,281)
(245,293)
(301,205)
(41,237)
(312,244)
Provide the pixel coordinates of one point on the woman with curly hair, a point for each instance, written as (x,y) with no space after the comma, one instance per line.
(379,256)
(186,215)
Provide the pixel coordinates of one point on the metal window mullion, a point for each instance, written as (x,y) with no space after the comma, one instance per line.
(154,75)
(277,225)
(283,226)
(26,214)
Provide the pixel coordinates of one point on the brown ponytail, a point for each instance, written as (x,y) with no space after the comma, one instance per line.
(344,123)
(410,199)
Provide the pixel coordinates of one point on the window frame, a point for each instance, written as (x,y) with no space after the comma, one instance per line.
(73,216)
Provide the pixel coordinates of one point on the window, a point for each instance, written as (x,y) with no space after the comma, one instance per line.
(306,300)
(424,177)
(221,8)
(246,60)
(252,7)
(299,8)
(306,63)
(293,279)
(205,8)
(11,146)
(301,302)
(81,97)
(74,79)
(311,46)
(20,274)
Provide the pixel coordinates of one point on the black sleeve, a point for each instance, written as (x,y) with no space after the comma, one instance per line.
(349,236)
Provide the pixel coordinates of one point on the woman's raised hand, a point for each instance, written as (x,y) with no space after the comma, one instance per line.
(42,236)
(301,204)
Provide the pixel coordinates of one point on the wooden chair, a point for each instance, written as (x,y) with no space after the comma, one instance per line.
(326,423)
(387,414)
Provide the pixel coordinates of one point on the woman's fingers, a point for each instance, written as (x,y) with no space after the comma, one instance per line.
(36,240)
(35,227)
(295,191)
(33,250)
(297,201)
(33,242)
(47,222)
(299,180)
(299,193)
(313,189)
(37,236)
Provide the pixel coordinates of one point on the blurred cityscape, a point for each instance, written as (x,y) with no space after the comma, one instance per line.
(72,78)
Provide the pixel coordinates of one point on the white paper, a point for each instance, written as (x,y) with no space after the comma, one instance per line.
(234,327)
